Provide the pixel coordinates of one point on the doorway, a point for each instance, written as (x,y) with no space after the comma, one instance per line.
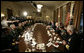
(10,13)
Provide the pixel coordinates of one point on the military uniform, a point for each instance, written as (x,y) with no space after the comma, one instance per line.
(73,43)
(14,34)
(6,40)
(19,30)
(64,34)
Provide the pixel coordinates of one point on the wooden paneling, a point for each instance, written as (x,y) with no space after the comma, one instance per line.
(77,13)
(64,14)
(54,15)
(68,6)
(61,14)
(57,15)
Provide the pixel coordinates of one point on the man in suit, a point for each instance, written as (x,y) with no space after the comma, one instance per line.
(63,32)
(6,40)
(72,44)
(56,28)
(15,35)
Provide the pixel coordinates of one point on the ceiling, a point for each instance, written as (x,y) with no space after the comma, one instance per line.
(49,4)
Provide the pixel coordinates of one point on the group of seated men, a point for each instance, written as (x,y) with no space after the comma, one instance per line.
(10,34)
(71,38)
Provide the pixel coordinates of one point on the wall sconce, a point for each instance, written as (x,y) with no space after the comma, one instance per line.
(25,13)
(2,15)
(47,16)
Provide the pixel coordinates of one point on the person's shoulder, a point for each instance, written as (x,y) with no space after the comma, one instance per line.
(75,36)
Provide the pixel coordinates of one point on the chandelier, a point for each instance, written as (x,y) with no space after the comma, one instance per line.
(39,6)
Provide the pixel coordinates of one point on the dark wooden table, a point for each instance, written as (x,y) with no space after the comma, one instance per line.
(41,36)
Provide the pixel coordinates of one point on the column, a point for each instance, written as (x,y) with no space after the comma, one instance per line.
(58,14)
(64,14)
(71,10)
(77,13)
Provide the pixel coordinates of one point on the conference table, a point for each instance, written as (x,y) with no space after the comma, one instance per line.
(42,35)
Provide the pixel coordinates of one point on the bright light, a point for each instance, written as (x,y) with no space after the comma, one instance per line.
(2,15)
(58,15)
(39,6)
(29,17)
(39,10)
(25,13)
(47,16)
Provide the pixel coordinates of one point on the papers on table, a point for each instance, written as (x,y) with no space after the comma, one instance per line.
(49,44)
(55,38)
(53,41)
(50,39)
(28,50)
(28,37)
(58,38)
(55,45)
(53,33)
(48,32)
(44,50)
(40,46)
(59,42)
(33,43)
(33,50)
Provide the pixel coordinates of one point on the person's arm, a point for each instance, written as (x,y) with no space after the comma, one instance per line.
(9,21)
(66,45)
(12,21)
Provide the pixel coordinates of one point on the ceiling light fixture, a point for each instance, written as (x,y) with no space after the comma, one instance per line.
(38,10)
(39,6)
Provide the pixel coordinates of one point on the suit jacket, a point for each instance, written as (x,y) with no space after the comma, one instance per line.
(73,42)
(6,40)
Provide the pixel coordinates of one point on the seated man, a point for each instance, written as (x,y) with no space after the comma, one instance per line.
(57,27)
(19,28)
(15,35)
(63,33)
(6,40)
(72,44)
(52,24)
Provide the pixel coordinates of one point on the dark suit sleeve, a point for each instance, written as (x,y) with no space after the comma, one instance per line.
(74,43)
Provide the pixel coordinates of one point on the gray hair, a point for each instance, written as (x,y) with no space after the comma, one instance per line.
(11,25)
(71,28)
(57,23)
